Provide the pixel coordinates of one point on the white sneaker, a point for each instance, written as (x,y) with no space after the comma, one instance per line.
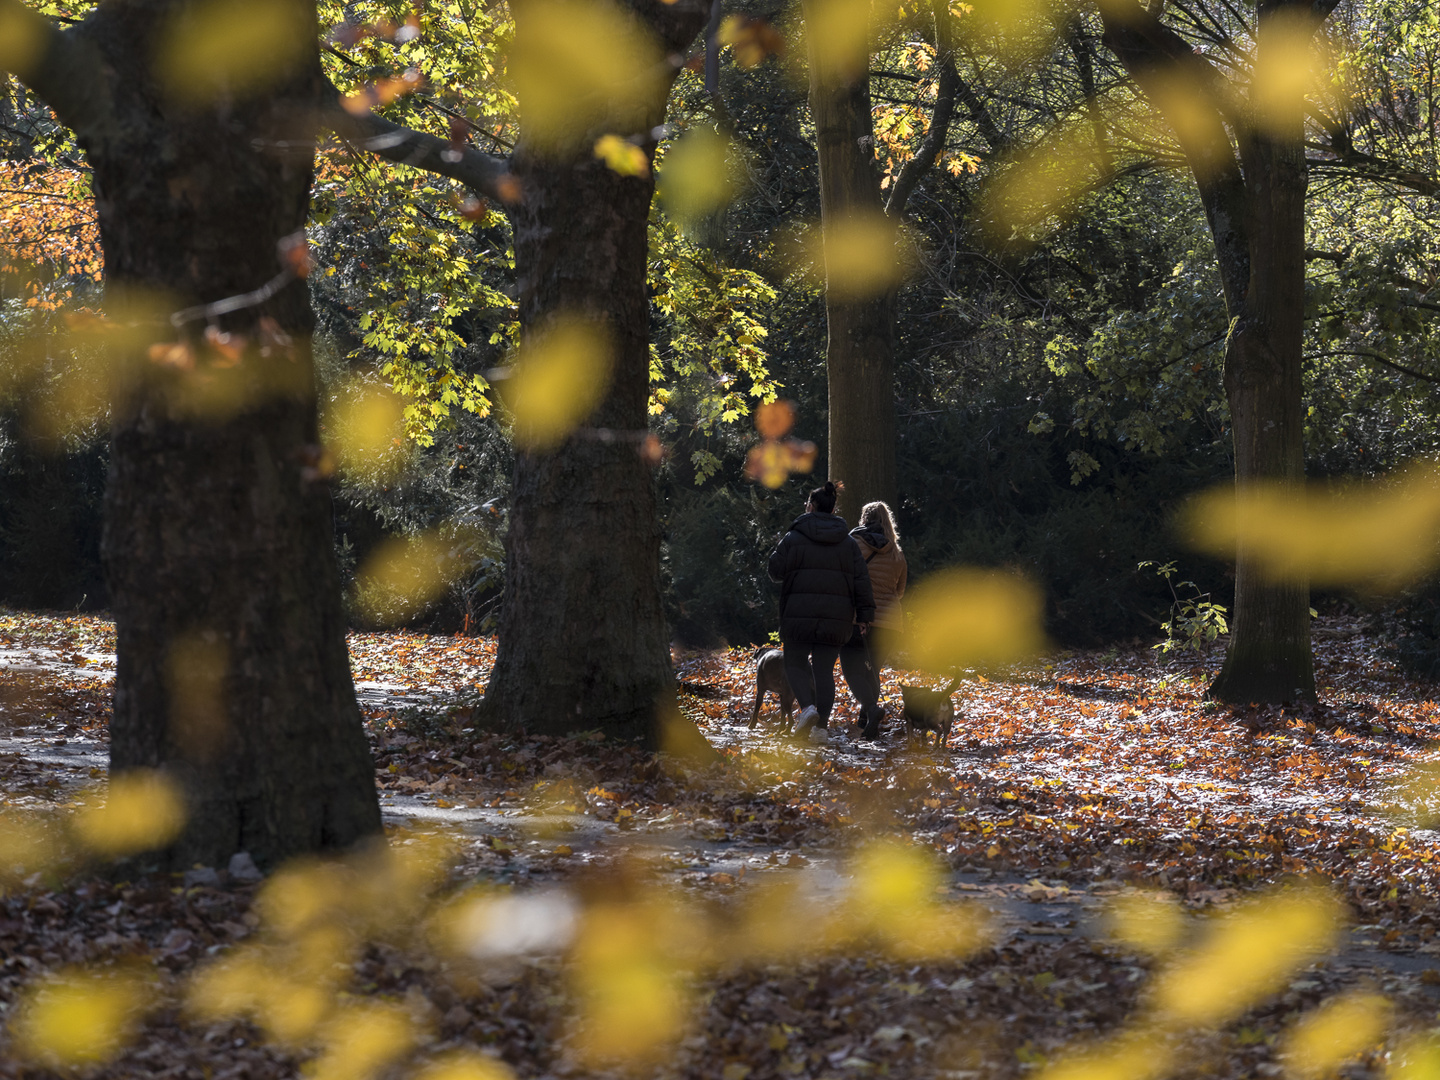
(819,736)
(808,717)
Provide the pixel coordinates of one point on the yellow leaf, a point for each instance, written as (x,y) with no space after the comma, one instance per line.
(559,376)
(622,155)
(224,47)
(143,810)
(968,617)
(694,178)
(1247,956)
(1378,534)
(1324,1039)
(77,1018)
(576,63)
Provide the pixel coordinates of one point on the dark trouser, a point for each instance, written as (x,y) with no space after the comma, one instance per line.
(810,670)
(862,675)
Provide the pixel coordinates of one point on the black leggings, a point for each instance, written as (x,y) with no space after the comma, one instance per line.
(810,670)
(862,670)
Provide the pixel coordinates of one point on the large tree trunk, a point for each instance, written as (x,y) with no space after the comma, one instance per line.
(1269,659)
(860,343)
(583,640)
(583,636)
(1255,206)
(232,672)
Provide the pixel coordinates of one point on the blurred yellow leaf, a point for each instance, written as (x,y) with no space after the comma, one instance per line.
(559,376)
(1143,922)
(576,63)
(1041,184)
(771,462)
(466,1065)
(859,255)
(751,39)
(633,1002)
(1285,70)
(77,1018)
(1324,1039)
(362,1040)
(302,895)
(22,37)
(1132,1056)
(231,47)
(1186,111)
(1381,535)
(1248,955)
(774,419)
(291,1012)
(895,906)
(365,430)
(232,986)
(622,156)
(404,575)
(1417,1058)
(968,617)
(694,177)
(143,810)
(838,34)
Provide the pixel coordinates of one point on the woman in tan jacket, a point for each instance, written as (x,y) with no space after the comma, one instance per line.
(862,657)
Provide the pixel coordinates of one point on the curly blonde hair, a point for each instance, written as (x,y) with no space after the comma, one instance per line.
(877,515)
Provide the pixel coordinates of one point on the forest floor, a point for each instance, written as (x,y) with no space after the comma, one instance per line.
(1093,823)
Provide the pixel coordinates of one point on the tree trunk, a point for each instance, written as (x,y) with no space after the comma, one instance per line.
(1269,658)
(583,640)
(860,345)
(233,674)
(1256,210)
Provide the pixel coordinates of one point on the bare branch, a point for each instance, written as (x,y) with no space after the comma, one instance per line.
(1378,358)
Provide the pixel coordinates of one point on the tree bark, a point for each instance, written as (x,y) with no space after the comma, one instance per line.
(860,341)
(1254,198)
(583,640)
(233,675)
(1269,658)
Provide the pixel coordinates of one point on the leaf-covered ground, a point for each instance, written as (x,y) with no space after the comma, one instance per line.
(1086,780)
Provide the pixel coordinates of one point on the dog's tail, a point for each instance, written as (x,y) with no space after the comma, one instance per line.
(949,687)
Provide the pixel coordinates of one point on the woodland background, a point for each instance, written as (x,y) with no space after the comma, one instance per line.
(1058,388)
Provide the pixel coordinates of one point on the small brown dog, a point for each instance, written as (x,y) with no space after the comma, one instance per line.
(929,710)
(770,678)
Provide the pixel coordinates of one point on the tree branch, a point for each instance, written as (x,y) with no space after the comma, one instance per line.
(478,171)
(930,148)
(1366,354)
(1357,163)
(1192,96)
(59,66)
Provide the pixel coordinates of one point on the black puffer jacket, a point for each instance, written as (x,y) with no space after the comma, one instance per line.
(824,586)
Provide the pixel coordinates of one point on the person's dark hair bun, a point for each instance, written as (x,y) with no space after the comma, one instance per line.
(823,498)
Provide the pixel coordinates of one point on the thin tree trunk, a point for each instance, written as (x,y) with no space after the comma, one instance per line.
(860,343)
(1269,659)
(232,673)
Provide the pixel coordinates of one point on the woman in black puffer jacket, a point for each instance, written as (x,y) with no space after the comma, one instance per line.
(824,592)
